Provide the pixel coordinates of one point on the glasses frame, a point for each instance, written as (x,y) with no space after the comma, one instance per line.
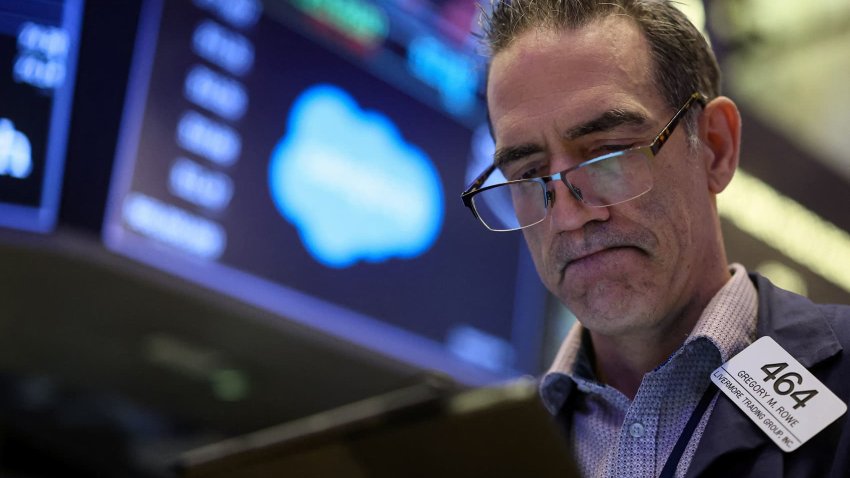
(650,151)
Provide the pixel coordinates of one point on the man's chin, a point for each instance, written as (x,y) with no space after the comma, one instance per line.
(613,326)
(614,306)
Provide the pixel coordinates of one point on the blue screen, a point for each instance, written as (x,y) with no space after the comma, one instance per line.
(38,54)
(307,157)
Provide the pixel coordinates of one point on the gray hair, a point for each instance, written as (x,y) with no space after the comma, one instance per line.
(683,61)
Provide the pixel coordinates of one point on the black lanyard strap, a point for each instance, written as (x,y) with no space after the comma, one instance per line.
(672,463)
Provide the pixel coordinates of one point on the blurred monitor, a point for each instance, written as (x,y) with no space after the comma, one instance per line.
(38,54)
(420,431)
(307,157)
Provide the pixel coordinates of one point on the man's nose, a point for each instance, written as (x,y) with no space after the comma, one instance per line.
(567,211)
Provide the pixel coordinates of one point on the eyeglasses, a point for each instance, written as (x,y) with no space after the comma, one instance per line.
(602,181)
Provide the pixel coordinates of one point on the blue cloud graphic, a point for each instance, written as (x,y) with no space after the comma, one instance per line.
(351,185)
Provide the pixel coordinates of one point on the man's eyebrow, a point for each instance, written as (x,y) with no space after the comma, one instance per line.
(513,153)
(605,122)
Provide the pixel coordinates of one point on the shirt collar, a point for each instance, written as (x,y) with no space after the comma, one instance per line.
(729,320)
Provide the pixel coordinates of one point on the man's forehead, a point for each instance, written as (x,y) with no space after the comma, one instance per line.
(602,66)
(609,35)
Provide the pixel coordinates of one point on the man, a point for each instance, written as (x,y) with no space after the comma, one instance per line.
(607,115)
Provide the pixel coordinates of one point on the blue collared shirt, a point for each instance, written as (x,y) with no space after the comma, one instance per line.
(618,437)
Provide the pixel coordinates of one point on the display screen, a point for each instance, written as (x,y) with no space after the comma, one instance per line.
(308,157)
(38,53)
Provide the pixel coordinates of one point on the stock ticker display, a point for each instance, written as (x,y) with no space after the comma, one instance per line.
(38,52)
(307,157)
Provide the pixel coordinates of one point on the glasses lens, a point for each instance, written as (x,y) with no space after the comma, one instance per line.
(617,178)
(511,206)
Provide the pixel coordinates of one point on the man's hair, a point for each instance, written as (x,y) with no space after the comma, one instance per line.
(683,61)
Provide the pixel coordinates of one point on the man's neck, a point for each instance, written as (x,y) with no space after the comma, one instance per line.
(621,361)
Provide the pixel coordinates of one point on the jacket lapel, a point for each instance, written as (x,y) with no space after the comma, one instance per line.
(799,327)
(795,323)
(728,430)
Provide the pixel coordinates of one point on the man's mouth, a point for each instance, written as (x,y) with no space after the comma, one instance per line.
(595,257)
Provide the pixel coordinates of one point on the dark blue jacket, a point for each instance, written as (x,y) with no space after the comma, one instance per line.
(818,336)
(732,446)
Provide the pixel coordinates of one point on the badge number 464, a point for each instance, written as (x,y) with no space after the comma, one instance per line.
(778,394)
(786,383)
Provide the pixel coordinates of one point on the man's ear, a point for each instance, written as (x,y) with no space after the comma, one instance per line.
(720,132)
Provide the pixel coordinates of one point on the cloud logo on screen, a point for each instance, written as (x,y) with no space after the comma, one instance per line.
(15,151)
(351,185)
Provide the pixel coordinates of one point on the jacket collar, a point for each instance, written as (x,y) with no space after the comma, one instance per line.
(796,324)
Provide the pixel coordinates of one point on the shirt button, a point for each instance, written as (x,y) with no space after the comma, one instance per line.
(636,430)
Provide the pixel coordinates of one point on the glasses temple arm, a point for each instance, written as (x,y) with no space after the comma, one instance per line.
(478,181)
(664,135)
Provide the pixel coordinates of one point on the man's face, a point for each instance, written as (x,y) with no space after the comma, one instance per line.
(559,98)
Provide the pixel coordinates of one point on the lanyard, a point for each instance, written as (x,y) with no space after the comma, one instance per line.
(669,470)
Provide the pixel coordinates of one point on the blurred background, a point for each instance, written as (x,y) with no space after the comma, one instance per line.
(221,215)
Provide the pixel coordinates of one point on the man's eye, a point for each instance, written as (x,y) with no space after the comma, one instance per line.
(524,172)
(529,173)
(610,148)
